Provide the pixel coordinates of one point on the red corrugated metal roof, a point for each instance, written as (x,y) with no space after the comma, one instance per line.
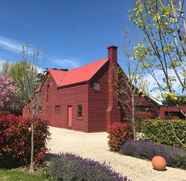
(77,75)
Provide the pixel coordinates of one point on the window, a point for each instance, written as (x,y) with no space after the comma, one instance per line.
(142,108)
(174,115)
(96,86)
(79,110)
(57,109)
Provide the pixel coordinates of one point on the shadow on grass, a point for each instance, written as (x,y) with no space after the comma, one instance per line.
(50,156)
(7,162)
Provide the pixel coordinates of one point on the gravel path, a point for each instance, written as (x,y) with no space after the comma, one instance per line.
(94,146)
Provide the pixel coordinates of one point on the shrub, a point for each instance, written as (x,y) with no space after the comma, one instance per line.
(166,132)
(118,134)
(74,168)
(15,140)
(175,157)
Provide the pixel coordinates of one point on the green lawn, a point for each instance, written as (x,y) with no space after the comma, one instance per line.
(20,175)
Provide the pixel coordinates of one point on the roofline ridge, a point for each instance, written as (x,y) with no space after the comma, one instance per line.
(106,60)
(102,59)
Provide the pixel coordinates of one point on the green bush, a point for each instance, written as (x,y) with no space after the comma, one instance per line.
(169,132)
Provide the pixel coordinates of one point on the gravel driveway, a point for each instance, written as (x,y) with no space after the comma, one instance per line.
(94,146)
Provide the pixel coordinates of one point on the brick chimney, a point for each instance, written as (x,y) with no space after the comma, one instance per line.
(113,54)
(113,113)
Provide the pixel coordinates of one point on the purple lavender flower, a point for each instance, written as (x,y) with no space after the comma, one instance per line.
(71,167)
(174,156)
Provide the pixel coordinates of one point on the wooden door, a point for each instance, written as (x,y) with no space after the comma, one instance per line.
(69,116)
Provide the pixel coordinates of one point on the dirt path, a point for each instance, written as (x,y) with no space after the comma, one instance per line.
(94,146)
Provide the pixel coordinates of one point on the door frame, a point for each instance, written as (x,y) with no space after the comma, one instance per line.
(69,111)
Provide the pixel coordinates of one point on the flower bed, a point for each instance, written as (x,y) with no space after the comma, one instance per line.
(70,167)
(175,157)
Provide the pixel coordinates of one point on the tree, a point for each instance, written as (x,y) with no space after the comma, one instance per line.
(162,54)
(130,85)
(25,76)
(7,92)
(30,83)
(128,88)
(172,99)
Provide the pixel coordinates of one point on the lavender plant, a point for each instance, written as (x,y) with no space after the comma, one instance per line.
(69,167)
(175,157)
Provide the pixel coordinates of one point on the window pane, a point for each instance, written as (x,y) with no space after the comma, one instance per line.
(79,110)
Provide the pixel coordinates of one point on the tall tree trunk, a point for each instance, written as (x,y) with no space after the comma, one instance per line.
(32,150)
(133,116)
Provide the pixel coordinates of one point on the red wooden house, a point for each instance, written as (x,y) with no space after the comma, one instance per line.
(83,98)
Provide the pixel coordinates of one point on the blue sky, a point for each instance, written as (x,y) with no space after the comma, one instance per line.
(69,33)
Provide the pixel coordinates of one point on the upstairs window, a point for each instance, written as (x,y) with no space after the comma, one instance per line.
(96,86)
(79,110)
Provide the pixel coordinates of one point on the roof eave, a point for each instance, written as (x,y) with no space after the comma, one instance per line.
(73,84)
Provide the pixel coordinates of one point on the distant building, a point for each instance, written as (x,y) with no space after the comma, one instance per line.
(173,112)
(146,107)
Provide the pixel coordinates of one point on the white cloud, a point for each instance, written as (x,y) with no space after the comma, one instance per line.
(2,61)
(17,47)
(65,63)
(14,46)
(10,45)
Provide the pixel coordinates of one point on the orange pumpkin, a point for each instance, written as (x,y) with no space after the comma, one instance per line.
(159,163)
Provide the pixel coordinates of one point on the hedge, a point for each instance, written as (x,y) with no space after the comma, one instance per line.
(74,168)
(15,140)
(175,157)
(169,132)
